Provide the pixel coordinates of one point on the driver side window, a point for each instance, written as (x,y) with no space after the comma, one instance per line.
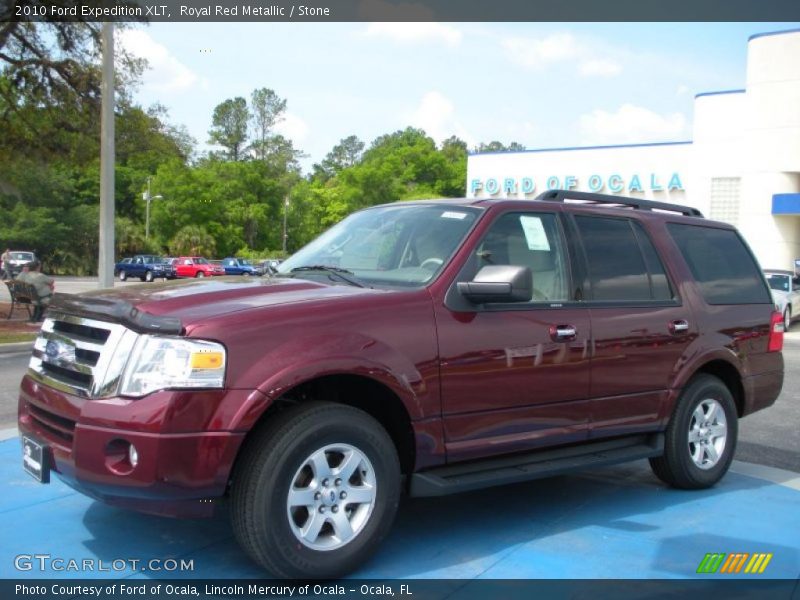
(530,240)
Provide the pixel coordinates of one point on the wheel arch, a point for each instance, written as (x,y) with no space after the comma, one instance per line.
(367,394)
(730,376)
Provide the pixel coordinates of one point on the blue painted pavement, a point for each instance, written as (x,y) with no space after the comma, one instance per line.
(618,522)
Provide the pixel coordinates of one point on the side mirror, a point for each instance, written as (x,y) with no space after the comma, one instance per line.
(499,283)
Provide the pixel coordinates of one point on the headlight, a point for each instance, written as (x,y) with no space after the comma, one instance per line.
(159,362)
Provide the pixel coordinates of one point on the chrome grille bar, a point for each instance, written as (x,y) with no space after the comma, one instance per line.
(80,356)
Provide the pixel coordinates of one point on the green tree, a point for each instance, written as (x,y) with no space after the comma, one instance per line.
(403,165)
(345,154)
(50,85)
(453,181)
(229,127)
(496,146)
(267,110)
(192,240)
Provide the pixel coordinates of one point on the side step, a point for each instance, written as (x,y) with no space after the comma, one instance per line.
(465,477)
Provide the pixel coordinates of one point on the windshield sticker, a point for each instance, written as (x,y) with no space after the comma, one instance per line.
(534,233)
(453,215)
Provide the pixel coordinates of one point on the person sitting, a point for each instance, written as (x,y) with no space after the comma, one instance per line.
(43,284)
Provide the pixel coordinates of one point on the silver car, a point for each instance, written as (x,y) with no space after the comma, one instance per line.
(18,259)
(785,286)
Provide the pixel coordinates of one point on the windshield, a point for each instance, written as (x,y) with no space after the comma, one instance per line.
(402,244)
(200,261)
(22,256)
(781,283)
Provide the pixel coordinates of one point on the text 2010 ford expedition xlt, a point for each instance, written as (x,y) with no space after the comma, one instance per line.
(430,347)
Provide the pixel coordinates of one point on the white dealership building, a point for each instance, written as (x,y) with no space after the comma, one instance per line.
(742,165)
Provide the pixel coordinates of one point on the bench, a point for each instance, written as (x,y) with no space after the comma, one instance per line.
(22,295)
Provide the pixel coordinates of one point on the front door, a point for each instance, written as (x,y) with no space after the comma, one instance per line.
(515,376)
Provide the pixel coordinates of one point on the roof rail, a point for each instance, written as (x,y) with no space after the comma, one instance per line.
(562,195)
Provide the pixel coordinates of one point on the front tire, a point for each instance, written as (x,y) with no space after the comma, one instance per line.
(701,436)
(148,276)
(123,275)
(315,491)
(200,274)
(787,318)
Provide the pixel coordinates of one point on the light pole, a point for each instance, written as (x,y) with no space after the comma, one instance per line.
(105,258)
(285,212)
(147,198)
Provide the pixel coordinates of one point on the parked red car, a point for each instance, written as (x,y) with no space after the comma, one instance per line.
(196,266)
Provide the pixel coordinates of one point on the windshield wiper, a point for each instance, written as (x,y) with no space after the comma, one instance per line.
(340,273)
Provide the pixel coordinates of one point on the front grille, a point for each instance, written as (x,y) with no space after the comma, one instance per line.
(80,356)
(62,428)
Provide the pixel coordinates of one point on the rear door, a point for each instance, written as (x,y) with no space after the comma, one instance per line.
(515,376)
(641,328)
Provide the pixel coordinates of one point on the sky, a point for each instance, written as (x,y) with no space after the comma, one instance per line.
(543,85)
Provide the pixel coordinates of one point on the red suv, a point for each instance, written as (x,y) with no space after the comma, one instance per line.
(430,347)
(196,266)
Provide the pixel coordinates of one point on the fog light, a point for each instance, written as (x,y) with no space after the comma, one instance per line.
(133,456)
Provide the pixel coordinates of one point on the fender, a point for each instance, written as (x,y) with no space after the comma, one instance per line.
(690,368)
(299,361)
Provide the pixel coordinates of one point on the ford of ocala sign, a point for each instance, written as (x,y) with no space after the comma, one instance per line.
(614,183)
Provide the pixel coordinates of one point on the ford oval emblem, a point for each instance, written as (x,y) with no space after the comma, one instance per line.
(59,352)
(52,348)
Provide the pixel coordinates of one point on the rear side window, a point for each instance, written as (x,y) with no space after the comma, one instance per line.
(721,264)
(620,268)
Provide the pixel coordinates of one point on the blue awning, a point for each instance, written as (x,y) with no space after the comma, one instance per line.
(786,204)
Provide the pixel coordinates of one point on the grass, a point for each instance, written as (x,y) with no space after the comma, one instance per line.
(7,337)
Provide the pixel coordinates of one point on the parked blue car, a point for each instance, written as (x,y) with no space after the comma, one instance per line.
(144,266)
(240,266)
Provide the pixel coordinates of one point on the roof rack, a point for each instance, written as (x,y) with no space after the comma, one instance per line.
(562,195)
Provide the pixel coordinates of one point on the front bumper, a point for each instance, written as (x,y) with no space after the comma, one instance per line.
(179,473)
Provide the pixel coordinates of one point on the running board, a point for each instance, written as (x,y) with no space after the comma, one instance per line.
(465,477)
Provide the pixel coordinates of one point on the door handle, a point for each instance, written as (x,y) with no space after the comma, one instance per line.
(563,333)
(678,326)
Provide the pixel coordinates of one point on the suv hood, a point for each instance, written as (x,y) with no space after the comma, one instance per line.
(171,306)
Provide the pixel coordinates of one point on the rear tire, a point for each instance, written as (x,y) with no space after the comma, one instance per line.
(148,276)
(701,436)
(787,318)
(292,513)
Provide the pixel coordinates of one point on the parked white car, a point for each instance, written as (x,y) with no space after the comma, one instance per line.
(785,286)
